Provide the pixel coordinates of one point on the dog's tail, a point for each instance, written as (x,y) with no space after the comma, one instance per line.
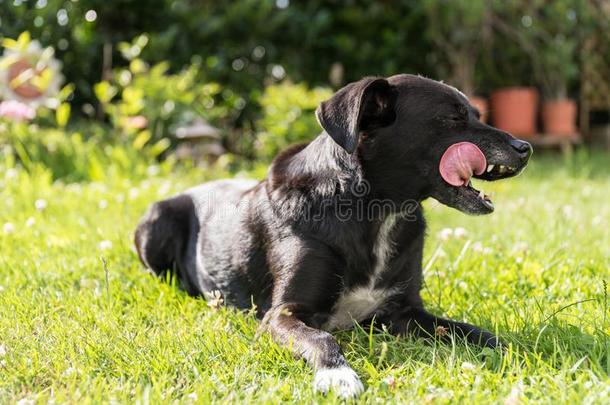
(162,236)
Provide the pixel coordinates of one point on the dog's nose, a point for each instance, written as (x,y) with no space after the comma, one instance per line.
(523,148)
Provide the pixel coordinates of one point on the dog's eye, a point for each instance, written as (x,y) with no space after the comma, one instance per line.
(460,115)
(456,118)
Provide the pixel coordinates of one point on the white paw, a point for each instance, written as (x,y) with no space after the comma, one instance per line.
(342,380)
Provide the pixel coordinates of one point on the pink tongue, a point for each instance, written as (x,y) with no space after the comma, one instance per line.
(460,161)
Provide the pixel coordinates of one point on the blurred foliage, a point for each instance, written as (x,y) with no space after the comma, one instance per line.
(247,44)
(547,34)
(78,40)
(458,31)
(241,44)
(148,103)
(142,68)
(86,154)
(288,116)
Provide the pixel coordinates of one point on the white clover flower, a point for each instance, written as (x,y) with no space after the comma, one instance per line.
(103,204)
(69,370)
(445,233)
(29,73)
(521,246)
(2,351)
(214,299)
(40,204)
(460,232)
(11,173)
(30,222)
(477,247)
(153,170)
(466,366)
(105,245)
(390,381)
(164,189)
(514,398)
(8,228)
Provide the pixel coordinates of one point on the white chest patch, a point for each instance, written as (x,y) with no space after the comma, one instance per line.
(360,303)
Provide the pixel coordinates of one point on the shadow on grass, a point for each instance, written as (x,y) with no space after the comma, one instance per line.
(554,345)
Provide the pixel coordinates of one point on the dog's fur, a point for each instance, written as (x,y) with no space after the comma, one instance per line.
(335,233)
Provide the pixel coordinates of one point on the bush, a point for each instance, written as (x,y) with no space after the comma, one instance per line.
(288,116)
(243,44)
(73,156)
(246,44)
(148,103)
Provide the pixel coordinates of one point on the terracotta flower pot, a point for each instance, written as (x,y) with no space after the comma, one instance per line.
(559,117)
(513,110)
(481,104)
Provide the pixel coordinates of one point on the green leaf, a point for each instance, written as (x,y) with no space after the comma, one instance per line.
(104,91)
(9,43)
(160,146)
(65,92)
(24,38)
(42,79)
(62,115)
(137,66)
(141,139)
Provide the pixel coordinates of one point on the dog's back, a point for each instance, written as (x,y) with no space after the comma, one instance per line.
(192,234)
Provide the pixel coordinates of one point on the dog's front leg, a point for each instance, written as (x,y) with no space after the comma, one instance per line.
(317,347)
(419,322)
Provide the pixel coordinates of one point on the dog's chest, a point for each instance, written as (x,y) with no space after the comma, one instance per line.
(360,303)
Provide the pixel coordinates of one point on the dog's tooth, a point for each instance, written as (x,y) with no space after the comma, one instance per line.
(481,195)
(502,169)
(490,168)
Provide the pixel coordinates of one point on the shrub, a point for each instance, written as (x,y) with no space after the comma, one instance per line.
(147,104)
(75,155)
(288,116)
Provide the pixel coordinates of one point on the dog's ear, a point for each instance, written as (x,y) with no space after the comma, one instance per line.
(360,106)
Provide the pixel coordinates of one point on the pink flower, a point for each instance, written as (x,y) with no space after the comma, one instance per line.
(16,111)
(137,121)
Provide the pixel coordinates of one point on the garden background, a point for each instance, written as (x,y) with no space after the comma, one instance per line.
(106,106)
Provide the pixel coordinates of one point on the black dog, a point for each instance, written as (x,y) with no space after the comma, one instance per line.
(336,231)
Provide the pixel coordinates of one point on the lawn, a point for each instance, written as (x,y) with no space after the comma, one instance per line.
(82,322)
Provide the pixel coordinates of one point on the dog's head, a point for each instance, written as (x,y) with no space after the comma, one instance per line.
(419,138)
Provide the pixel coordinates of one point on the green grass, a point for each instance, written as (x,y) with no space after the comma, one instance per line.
(73,330)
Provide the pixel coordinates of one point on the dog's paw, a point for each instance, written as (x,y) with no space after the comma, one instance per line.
(342,380)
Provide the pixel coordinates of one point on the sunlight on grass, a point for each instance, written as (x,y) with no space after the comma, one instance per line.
(535,272)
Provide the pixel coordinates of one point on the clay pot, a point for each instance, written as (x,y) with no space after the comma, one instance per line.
(559,117)
(481,104)
(513,110)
